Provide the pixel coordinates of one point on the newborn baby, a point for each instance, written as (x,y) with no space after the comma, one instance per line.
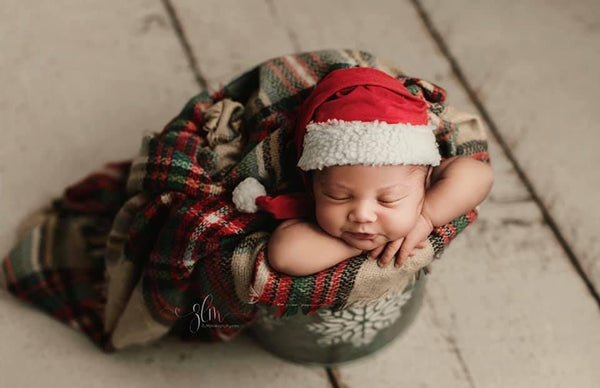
(370,164)
(387,210)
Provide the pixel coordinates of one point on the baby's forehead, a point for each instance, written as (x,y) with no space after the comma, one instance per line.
(334,171)
(373,175)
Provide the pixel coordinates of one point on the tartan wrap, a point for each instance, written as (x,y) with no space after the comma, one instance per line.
(154,245)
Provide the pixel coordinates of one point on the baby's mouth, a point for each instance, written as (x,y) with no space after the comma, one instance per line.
(362,236)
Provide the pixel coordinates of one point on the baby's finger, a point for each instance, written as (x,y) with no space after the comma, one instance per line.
(422,244)
(389,252)
(375,252)
(405,250)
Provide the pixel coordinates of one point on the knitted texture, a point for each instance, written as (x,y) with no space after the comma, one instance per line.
(153,246)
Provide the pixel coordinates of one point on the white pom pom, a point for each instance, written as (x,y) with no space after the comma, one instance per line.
(245,194)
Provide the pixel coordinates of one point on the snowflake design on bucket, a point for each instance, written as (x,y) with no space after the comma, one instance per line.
(358,324)
(267,321)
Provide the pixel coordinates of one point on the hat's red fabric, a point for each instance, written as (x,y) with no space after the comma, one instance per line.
(381,97)
(352,94)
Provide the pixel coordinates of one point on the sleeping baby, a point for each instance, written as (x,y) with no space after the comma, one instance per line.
(375,180)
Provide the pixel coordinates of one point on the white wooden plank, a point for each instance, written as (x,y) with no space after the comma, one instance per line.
(231,36)
(389,29)
(38,350)
(510,307)
(422,356)
(534,65)
(81,83)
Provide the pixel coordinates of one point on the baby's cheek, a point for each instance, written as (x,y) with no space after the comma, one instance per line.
(401,225)
(327,219)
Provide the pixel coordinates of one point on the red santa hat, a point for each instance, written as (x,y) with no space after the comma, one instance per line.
(355,116)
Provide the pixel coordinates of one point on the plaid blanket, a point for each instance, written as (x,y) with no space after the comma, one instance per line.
(154,245)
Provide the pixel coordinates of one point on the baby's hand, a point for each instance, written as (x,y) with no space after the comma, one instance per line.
(404,247)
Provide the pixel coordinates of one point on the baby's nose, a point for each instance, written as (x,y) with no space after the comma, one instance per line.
(362,212)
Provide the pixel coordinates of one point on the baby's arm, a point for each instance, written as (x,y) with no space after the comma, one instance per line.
(299,247)
(458,185)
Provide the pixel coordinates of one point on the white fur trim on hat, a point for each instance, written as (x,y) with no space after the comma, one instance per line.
(338,143)
(244,195)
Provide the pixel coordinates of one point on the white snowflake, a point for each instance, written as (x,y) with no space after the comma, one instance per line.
(267,321)
(359,323)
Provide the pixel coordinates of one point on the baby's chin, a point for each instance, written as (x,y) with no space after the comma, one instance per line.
(364,245)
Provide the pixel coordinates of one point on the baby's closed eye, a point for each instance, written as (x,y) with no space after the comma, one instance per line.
(392,201)
(337,197)
(388,201)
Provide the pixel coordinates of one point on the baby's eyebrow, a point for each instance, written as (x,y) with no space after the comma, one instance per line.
(388,188)
(334,184)
(383,189)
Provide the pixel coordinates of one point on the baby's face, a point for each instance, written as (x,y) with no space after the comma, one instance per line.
(383,202)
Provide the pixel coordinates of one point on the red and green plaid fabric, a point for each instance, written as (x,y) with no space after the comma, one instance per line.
(169,217)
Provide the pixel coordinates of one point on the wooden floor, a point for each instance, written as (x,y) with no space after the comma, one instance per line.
(511,303)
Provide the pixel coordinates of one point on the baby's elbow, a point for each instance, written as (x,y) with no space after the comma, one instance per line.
(276,259)
(488,176)
(281,263)
(281,258)
(278,255)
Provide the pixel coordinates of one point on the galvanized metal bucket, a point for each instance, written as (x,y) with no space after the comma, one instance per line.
(331,337)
